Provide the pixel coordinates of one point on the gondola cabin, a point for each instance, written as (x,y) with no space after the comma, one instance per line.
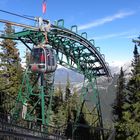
(42,59)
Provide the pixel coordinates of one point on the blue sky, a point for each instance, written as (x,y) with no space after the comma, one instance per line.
(112,23)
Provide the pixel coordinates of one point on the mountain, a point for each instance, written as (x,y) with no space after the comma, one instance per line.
(106,87)
(116,66)
(62,73)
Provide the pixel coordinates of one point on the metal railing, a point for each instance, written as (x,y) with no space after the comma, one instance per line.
(26,130)
(11,131)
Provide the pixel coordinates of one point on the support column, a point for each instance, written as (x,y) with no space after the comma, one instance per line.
(42,99)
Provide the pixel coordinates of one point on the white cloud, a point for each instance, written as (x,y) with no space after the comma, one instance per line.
(118,63)
(107,19)
(132,36)
(127,34)
(107,36)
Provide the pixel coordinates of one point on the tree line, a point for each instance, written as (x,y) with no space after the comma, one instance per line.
(126,107)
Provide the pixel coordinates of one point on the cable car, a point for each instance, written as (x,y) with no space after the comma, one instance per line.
(42,59)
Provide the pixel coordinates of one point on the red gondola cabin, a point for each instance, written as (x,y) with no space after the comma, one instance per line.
(43,59)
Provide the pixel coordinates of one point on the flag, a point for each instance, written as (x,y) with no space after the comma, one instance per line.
(44,5)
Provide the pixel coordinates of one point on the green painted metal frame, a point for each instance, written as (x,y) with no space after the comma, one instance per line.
(26,95)
(74,52)
(80,53)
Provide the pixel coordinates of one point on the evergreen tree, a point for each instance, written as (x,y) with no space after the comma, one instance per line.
(136,56)
(60,92)
(58,98)
(118,103)
(131,115)
(120,97)
(11,71)
(68,106)
(84,128)
(67,89)
(133,84)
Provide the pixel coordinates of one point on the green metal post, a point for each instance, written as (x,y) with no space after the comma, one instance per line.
(42,99)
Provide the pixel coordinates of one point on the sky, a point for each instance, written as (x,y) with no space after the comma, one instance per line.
(111,23)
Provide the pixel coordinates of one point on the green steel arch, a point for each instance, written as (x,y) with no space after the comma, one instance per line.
(81,53)
(78,50)
(73,51)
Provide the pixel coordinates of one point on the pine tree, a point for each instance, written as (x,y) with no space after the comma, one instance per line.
(60,92)
(120,97)
(11,71)
(67,89)
(58,98)
(118,104)
(68,106)
(131,115)
(136,56)
(133,84)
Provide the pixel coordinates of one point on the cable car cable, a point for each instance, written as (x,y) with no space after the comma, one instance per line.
(29,16)
(23,16)
(17,15)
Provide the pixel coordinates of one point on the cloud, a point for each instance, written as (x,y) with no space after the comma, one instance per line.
(132,36)
(127,34)
(118,63)
(107,36)
(107,19)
